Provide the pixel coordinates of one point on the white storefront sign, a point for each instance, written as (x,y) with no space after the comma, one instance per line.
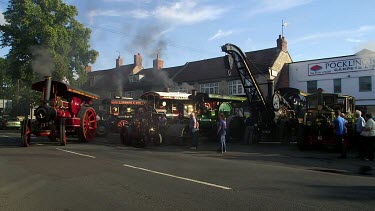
(341,66)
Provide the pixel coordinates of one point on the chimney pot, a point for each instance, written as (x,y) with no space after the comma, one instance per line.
(138,60)
(282,44)
(88,69)
(118,62)
(158,63)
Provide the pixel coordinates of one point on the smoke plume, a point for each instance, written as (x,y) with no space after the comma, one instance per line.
(150,40)
(42,61)
(161,80)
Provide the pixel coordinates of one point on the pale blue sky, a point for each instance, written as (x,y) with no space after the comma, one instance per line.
(190,30)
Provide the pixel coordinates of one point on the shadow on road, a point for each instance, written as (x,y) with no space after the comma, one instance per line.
(347,193)
(322,160)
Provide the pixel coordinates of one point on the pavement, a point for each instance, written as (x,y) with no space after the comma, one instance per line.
(323,160)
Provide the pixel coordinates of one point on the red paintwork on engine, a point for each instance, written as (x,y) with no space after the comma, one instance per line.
(73,122)
(75,105)
(63,113)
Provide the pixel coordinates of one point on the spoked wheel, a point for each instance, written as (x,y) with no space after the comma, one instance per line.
(26,133)
(62,133)
(156,139)
(122,123)
(87,130)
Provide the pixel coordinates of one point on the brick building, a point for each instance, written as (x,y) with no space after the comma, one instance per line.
(209,75)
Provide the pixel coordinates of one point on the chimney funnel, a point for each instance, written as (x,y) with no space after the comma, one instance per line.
(47,88)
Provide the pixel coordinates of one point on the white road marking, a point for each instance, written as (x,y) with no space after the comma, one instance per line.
(76,153)
(178,177)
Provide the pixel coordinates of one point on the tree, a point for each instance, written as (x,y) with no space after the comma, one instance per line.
(45,39)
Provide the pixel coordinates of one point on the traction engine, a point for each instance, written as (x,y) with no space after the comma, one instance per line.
(64,110)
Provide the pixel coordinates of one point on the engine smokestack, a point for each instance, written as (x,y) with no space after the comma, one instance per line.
(47,88)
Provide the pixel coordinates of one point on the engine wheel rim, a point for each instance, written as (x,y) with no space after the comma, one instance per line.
(62,133)
(122,123)
(89,124)
(26,133)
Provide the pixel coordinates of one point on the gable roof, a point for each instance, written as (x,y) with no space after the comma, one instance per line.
(211,69)
(364,51)
(203,70)
(105,79)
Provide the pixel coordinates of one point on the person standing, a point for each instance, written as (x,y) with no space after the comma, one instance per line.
(358,129)
(162,125)
(369,137)
(193,126)
(339,124)
(222,132)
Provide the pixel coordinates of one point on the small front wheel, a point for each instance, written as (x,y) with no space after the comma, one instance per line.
(62,133)
(26,133)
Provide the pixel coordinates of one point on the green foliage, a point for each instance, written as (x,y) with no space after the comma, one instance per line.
(44,39)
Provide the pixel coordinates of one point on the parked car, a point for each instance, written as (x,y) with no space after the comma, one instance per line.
(13,123)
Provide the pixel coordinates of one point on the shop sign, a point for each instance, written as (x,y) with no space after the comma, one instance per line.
(341,66)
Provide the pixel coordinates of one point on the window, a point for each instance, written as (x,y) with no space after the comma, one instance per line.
(133,78)
(312,86)
(365,84)
(337,85)
(129,94)
(210,88)
(235,88)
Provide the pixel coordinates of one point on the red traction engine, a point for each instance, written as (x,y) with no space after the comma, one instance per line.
(64,110)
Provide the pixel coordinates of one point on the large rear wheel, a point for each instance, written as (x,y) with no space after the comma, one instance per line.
(26,133)
(87,129)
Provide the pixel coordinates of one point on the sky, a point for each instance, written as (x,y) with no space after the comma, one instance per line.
(190,30)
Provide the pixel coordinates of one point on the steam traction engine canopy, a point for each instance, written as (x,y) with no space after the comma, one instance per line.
(63,90)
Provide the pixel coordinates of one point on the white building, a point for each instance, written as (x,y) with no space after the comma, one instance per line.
(351,75)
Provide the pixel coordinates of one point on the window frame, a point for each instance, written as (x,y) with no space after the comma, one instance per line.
(212,88)
(338,82)
(361,85)
(235,87)
(315,88)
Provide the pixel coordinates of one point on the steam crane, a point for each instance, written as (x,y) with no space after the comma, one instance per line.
(263,111)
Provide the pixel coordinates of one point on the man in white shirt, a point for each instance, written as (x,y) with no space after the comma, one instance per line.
(359,142)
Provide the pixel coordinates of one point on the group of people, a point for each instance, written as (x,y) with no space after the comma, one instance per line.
(364,136)
(221,132)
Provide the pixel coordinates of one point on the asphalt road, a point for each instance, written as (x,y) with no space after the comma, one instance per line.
(100,176)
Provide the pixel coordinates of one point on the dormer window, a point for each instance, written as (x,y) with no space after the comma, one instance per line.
(135,78)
